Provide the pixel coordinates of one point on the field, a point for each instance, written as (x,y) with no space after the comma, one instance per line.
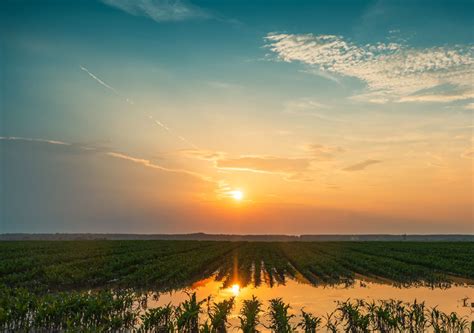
(102,285)
(165,265)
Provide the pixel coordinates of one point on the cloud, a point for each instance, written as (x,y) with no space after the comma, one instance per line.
(322,152)
(201,154)
(122,156)
(16,138)
(149,164)
(224,85)
(265,164)
(323,74)
(361,165)
(391,71)
(304,104)
(469,153)
(160,10)
(100,81)
(299,177)
(309,107)
(440,98)
(130,101)
(49,184)
(469,106)
(290,168)
(391,140)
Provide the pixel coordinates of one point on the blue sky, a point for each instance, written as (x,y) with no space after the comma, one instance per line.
(315,107)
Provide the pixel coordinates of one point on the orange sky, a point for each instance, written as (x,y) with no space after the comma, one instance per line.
(145,117)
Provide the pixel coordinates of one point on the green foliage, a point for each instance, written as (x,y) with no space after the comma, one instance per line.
(46,286)
(44,266)
(279,317)
(121,310)
(159,320)
(355,320)
(102,311)
(250,315)
(187,315)
(219,314)
(309,323)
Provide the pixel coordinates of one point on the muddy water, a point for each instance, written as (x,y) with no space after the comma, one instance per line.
(321,300)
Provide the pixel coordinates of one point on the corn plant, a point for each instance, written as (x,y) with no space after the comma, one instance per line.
(309,323)
(122,310)
(187,315)
(218,315)
(353,317)
(250,315)
(279,317)
(332,322)
(159,320)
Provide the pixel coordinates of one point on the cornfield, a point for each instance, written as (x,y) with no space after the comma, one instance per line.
(107,311)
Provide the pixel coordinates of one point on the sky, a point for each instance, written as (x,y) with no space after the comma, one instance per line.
(245,117)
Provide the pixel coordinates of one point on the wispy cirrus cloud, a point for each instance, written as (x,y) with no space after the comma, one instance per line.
(160,10)
(17,138)
(439,98)
(118,155)
(391,140)
(361,165)
(150,164)
(298,168)
(469,106)
(469,153)
(265,164)
(391,71)
(201,154)
(290,168)
(309,107)
(322,152)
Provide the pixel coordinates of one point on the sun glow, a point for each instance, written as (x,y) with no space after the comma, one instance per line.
(235,289)
(237,195)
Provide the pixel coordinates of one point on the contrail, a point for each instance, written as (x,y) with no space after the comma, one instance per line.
(100,81)
(166,128)
(129,101)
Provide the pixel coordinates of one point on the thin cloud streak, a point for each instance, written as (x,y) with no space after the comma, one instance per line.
(149,164)
(144,162)
(100,80)
(17,138)
(361,165)
(130,102)
(160,10)
(265,164)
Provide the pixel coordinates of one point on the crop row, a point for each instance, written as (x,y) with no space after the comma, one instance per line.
(77,265)
(107,311)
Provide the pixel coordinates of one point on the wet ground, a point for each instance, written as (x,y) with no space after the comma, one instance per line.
(322,299)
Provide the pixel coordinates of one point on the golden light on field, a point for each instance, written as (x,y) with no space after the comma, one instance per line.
(237,195)
(235,289)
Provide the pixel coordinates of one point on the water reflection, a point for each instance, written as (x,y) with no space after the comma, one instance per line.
(248,272)
(235,289)
(322,299)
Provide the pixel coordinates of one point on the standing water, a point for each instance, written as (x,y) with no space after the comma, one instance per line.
(321,300)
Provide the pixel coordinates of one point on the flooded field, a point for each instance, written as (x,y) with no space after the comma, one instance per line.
(321,300)
(107,285)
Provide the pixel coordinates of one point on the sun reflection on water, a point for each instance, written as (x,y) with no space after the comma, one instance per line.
(322,299)
(235,289)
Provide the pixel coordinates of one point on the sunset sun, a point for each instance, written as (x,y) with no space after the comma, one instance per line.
(237,195)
